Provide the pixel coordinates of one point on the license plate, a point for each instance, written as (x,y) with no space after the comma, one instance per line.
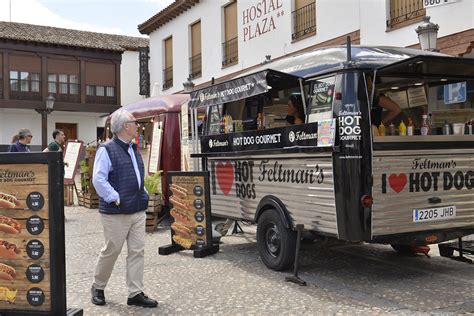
(433,214)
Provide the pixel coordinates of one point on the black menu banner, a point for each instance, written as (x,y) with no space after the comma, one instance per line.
(31,224)
(191,213)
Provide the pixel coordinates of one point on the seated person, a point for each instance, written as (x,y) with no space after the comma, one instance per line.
(383,102)
(295,111)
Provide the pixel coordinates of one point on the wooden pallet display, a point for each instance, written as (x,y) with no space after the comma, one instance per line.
(88,200)
(153,213)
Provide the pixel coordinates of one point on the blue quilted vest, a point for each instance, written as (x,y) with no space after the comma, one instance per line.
(124,180)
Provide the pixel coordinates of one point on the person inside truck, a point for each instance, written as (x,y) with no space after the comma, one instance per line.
(382,102)
(295,111)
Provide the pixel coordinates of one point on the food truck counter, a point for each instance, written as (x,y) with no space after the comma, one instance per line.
(419,138)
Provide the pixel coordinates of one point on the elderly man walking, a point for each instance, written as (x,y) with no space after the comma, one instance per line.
(22,144)
(118,179)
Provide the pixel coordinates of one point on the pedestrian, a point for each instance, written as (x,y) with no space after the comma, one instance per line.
(118,178)
(22,144)
(59,139)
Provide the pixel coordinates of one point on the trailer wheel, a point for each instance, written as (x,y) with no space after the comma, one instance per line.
(402,249)
(276,243)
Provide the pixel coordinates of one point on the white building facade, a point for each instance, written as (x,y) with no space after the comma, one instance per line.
(284,27)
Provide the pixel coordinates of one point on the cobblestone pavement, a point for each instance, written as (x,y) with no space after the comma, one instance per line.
(342,278)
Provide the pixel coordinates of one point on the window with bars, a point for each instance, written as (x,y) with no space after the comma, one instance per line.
(230,48)
(304,19)
(404,12)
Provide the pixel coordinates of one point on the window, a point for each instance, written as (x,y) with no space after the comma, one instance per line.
(405,12)
(168,62)
(321,97)
(100,91)
(304,19)
(63,84)
(23,81)
(195,63)
(230,51)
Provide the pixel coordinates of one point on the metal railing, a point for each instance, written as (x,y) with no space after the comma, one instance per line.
(404,10)
(304,21)
(75,98)
(168,77)
(195,66)
(230,52)
(101,100)
(25,95)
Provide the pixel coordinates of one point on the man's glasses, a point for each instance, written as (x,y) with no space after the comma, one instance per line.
(29,136)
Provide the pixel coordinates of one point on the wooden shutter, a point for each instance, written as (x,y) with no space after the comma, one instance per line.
(169,52)
(230,16)
(302,3)
(196,39)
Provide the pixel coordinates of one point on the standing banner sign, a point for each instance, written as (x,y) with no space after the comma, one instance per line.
(155,150)
(191,213)
(32,250)
(71,160)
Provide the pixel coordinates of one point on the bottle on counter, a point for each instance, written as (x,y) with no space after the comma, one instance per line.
(471,127)
(402,128)
(425,128)
(260,121)
(391,129)
(410,127)
(381,129)
(446,129)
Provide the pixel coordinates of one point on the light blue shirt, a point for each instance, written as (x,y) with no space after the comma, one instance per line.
(100,174)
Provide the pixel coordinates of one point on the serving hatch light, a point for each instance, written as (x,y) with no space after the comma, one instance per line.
(394,88)
(444,79)
(419,84)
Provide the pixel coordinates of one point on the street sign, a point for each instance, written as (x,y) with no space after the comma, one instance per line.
(455,93)
(433,3)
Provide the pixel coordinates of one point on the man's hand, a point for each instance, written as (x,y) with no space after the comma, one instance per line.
(117,202)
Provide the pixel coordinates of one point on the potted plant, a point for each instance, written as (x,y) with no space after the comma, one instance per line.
(153,187)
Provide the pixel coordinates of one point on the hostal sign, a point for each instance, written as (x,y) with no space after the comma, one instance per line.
(260,18)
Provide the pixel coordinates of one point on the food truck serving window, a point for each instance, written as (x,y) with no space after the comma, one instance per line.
(321,97)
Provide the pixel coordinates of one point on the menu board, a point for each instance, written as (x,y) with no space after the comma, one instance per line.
(191,225)
(155,150)
(71,159)
(32,277)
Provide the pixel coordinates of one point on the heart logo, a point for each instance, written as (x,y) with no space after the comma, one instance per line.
(225,176)
(397,182)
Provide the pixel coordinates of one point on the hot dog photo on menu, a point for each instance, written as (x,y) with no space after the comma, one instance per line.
(8,200)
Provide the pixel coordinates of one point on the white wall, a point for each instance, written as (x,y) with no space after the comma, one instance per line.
(130,79)
(452,18)
(11,121)
(334,18)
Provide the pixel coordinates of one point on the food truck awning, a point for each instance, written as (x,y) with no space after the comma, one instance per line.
(425,67)
(240,88)
(150,107)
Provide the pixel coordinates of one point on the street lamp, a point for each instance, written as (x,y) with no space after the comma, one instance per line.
(188,85)
(427,34)
(44,119)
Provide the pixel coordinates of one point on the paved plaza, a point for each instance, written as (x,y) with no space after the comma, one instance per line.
(342,278)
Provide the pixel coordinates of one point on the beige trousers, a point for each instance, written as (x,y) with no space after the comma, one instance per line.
(117,229)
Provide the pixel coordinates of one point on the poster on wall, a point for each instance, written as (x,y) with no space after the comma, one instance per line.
(191,214)
(32,275)
(417,96)
(185,154)
(155,150)
(399,97)
(71,159)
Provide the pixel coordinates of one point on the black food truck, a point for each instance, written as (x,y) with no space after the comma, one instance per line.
(408,182)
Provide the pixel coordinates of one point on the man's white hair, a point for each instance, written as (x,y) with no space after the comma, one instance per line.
(119,118)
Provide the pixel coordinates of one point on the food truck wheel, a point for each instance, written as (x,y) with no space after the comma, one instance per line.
(276,243)
(403,249)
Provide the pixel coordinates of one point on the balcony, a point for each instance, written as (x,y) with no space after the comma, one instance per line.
(230,52)
(195,66)
(405,12)
(304,21)
(25,95)
(167,78)
(74,98)
(101,100)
